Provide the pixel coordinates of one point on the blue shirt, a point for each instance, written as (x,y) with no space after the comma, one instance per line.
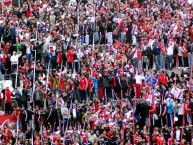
(95,83)
(153,81)
(169,107)
(12,32)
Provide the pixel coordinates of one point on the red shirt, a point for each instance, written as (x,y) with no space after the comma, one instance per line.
(59,58)
(7,96)
(153,109)
(90,85)
(163,50)
(62,85)
(83,82)
(139,55)
(186,108)
(70,56)
(6,48)
(185,54)
(162,79)
(118,45)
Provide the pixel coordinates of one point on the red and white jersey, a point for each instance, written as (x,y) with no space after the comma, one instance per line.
(130,68)
(45,134)
(134,29)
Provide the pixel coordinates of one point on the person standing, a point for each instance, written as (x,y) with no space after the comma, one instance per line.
(156,52)
(76,87)
(169,105)
(134,57)
(37,118)
(83,82)
(170,51)
(70,57)
(109,33)
(66,115)
(38,96)
(180,57)
(12,34)
(187,112)
(7,93)
(185,54)
(138,78)
(162,55)
(15,60)
(6,33)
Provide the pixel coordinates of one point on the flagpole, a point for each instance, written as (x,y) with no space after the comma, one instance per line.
(48,72)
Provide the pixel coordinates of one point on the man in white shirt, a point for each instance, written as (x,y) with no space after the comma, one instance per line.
(14,60)
(170,53)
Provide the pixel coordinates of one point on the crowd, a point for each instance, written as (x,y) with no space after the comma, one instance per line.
(97,72)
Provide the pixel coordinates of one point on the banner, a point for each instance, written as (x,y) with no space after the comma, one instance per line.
(6,2)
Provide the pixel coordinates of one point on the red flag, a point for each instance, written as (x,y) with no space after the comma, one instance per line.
(7,2)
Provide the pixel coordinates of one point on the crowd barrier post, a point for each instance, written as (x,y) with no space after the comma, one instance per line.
(16,75)
(149,125)
(48,72)
(17,128)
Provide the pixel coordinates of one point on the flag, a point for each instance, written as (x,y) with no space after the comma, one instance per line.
(6,2)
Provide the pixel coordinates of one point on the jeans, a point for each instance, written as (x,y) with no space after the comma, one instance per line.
(87,39)
(162,61)
(140,66)
(169,61)
(190,59)
(157,61)
(135,62)
(13,67)
(28,56)
(83,39)
(96,93)
(1,76)
(121,37)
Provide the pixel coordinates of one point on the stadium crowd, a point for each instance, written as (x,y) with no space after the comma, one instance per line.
(101,72)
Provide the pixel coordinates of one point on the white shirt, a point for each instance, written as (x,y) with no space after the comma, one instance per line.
(190,2)
(74,113)
(64,110)
(177,92)
(180,109)
(135,53)
(28,50)
(139,78)
(14,58)
(170,50)
(178,135)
